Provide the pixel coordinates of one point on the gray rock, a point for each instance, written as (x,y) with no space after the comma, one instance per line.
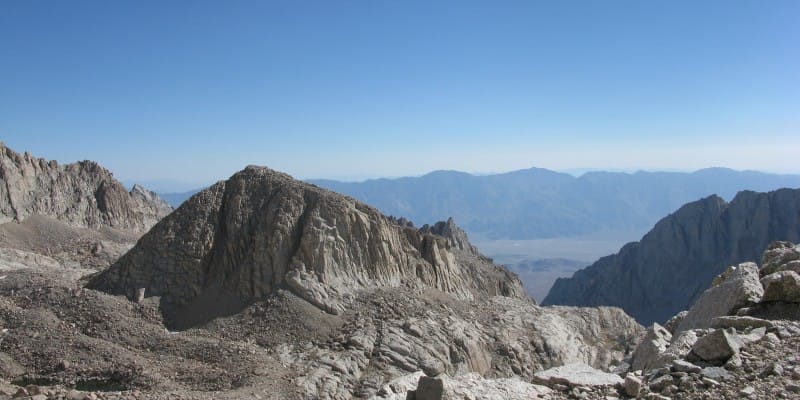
(747,391)
(632,385)
(654,343)
(685,366)
(429,389)
(717,346)
(739,288)
(82,194)
(672,324)
(777,255)
(716,374)
(576,375)
(661,383)
(782,286)
(740,323)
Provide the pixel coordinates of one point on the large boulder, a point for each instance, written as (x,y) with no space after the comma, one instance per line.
(738,287)
(577,375)
(654,343)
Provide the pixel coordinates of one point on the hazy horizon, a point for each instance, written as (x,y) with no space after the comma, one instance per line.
(192,92)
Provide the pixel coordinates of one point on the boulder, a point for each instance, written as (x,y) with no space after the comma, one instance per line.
(672,324)
(654,343)
(577,375)
(717,346)
(778,255)
(782,286)
(632,385)
(739,288)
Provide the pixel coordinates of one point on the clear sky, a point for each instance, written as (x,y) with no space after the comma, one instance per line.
(193,91)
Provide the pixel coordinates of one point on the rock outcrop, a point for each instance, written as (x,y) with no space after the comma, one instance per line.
(672,265)
(81,194)
(242,239)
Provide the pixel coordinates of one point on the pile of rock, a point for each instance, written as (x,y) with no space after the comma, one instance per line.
(740,338)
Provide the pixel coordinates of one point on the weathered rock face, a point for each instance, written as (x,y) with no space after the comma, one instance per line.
(672,265)
(82,194)
(240,240)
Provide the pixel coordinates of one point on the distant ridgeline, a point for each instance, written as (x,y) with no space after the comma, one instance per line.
(667,270)
(538,203)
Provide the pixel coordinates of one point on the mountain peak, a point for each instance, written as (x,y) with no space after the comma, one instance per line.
(261,231)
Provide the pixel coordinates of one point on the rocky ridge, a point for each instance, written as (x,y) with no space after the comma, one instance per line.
(82,194)
(672,265)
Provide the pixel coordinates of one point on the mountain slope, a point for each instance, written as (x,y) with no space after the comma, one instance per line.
(673,263)
(82,194)
(538,203)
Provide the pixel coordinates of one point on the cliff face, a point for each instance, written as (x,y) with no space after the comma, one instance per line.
(82,194)
(241,240)
(667,270)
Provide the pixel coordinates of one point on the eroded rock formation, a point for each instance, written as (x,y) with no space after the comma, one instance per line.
(81,194)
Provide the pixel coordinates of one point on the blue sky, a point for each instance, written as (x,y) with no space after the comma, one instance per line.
(194,91)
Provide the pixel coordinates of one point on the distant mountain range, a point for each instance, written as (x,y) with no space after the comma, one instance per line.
(539,203)
(662,274)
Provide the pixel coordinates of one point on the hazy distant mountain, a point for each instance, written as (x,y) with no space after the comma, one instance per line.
(539,203)
(673,263)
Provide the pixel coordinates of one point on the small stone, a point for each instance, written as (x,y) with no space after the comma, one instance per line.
(716,373)
(685,366)
(710,382)
(632,385)
(33,390)
(747,391)
(75,395)
(64,365)
(660,383)
(39,397)
(772,369)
